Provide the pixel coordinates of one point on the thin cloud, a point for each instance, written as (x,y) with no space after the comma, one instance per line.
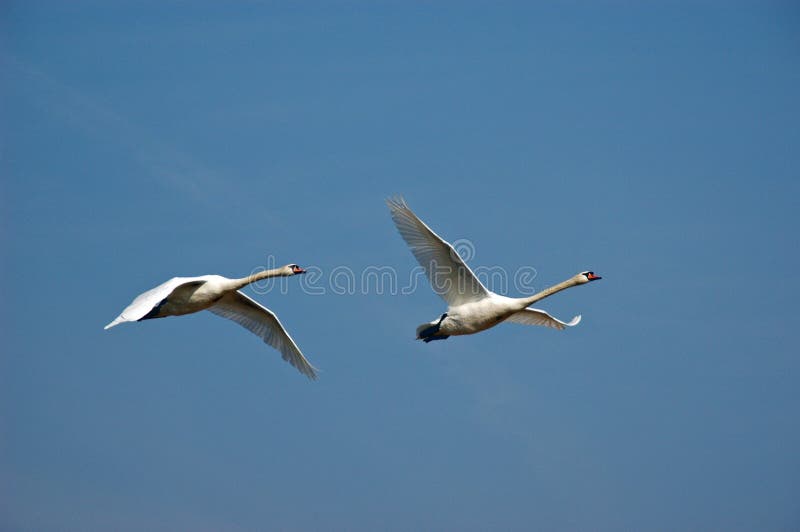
(164,164)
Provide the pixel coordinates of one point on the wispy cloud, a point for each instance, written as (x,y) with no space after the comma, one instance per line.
(167,166)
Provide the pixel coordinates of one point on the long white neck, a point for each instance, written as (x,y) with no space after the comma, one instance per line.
(244,281)
(527,301)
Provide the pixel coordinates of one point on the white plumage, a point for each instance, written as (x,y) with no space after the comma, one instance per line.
(471,306)
(220,295)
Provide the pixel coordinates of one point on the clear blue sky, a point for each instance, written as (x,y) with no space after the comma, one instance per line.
(656,145)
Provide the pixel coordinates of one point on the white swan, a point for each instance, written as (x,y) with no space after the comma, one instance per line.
(220,295)
(471,307)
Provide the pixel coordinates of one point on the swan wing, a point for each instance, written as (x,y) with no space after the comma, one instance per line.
(149,300)
(262,322)
(533,316)
(448,274)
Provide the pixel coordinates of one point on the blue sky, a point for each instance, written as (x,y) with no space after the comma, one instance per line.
(654,144)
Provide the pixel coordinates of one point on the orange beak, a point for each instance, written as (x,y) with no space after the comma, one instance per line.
(592,277)
(298,269)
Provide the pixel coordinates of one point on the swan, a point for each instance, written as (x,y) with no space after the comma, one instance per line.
(220,295)
(471,306)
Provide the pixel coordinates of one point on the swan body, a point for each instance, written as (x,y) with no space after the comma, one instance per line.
(220,295)
(471,307)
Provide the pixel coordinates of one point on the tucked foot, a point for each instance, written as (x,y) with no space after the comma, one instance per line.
(427,330)
(432,338)
(428,333)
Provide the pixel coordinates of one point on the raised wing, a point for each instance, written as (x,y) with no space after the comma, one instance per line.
(450,277)
(262,322)
(533,316)
(147,301)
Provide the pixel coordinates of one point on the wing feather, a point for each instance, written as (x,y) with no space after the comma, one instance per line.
(262,322)
(533,316)
(147,301)
(449,275)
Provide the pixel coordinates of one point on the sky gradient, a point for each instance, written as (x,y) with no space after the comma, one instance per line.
(656,145)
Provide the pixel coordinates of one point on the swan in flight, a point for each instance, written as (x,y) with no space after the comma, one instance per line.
(220,295)
(471,306)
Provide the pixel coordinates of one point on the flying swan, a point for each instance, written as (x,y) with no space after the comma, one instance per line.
(220,295)
(471,306)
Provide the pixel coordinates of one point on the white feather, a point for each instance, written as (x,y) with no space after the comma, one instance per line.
(262,322)
(147,301)
(471,307)
(220,295)
(533,316)
(448,274)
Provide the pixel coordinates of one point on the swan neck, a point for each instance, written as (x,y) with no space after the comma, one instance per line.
(265,274)
(548,292)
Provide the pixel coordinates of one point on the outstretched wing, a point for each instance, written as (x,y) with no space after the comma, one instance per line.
(533,316)
(449,276)
(262,322)
(149,300)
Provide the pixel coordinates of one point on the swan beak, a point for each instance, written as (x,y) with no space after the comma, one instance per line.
(298,269)
(592,277)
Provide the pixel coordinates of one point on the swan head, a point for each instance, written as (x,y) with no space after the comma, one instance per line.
(586,277)
(293,269)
